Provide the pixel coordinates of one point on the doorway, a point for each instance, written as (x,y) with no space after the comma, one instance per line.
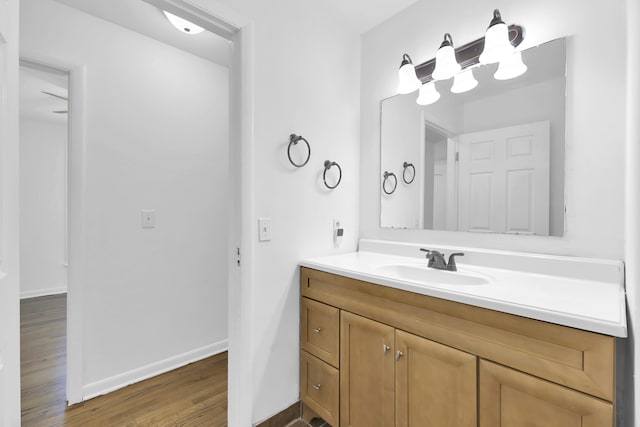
(79,206)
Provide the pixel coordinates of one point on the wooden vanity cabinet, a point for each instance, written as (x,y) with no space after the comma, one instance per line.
(410,360)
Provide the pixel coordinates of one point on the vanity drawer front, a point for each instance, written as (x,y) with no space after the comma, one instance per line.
(320,329)
(319,387)
(574,358)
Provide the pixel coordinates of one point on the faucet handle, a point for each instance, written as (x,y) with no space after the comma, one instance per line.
(451,265)
(428,251)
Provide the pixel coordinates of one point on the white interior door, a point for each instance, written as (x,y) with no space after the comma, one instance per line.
(504,180)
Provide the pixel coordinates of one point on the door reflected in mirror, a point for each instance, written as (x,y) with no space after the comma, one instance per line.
(490,160)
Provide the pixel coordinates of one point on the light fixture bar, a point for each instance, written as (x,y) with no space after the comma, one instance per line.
(468,54)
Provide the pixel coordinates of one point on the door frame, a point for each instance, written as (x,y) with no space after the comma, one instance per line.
(223,21)
(220,19)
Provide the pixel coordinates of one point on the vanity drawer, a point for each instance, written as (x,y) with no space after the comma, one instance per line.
(320,329)
(319,387)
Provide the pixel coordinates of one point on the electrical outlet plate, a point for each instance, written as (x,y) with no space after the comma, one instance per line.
(264,229)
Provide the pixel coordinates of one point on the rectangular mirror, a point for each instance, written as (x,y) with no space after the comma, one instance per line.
(490,160)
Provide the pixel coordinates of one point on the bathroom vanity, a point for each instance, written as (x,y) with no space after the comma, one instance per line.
(381,347)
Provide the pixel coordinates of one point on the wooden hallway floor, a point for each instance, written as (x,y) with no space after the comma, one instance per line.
(194,395)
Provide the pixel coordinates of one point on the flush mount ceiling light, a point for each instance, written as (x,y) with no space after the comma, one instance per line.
(464,81)
(446,64)
(407,79)
(510,67)
(182,24)
(496,41)
(428,94)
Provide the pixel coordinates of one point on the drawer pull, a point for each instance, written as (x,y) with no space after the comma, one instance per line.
(399,354)
(317,330)
(385,348)
(317,386)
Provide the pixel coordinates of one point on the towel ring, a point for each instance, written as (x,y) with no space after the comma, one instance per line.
(406,166)
(328,165)
(293,140)
(388,175)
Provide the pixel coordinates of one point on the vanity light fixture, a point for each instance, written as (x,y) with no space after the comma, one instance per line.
(182,24)
(446,64)
(428,94)
(464,81)
(510,67)
(407,79)
(496,41)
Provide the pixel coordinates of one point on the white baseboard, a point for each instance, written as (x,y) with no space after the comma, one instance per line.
(43,292)
(116,382)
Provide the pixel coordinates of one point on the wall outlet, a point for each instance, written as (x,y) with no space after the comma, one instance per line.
(264,229)
(148,218)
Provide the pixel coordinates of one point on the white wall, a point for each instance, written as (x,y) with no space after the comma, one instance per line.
(43,151)
(306,81)
(9,218)
(155,138)
(594,172)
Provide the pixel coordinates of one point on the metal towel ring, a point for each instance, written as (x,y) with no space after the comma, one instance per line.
(387,175)
(328,165)
(293,140)
(406,166)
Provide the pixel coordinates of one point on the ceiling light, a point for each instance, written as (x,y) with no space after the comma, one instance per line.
(428,94)
(464,81)
(182,24)
(496,41)
(511,67)
(407,79)
(446,64)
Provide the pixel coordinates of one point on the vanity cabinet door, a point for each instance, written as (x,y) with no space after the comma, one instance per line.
(436,385)
(366,372)
(512,398)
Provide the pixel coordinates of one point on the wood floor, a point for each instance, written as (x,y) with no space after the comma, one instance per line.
(195,395)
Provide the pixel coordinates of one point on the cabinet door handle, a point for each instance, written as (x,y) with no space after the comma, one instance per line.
(399,354)
(317,386)
(385,348)
(317,330)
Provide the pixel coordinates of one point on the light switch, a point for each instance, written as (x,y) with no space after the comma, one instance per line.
(148,218)
(264,233)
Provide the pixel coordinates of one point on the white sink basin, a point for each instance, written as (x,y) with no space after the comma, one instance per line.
(423,274)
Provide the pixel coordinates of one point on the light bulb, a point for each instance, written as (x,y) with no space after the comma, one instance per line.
(446,64)
(464,81)
(428,94)
(496,41)
(407,79)
(511,67)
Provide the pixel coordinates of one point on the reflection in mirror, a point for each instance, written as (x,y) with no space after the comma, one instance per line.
(489,160)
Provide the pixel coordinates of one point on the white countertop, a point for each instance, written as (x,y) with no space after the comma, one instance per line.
(592,305)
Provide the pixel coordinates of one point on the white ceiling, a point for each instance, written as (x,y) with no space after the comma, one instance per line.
(36,105)
(137,15)
(146,19)
(363,15)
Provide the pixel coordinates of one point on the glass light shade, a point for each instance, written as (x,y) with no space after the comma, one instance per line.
(446,64)
(182,24)
(407,79)
(464,82)
(496,44)
(511,67)
(428,94)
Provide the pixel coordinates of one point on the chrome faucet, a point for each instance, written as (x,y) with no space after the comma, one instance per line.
(437,261)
